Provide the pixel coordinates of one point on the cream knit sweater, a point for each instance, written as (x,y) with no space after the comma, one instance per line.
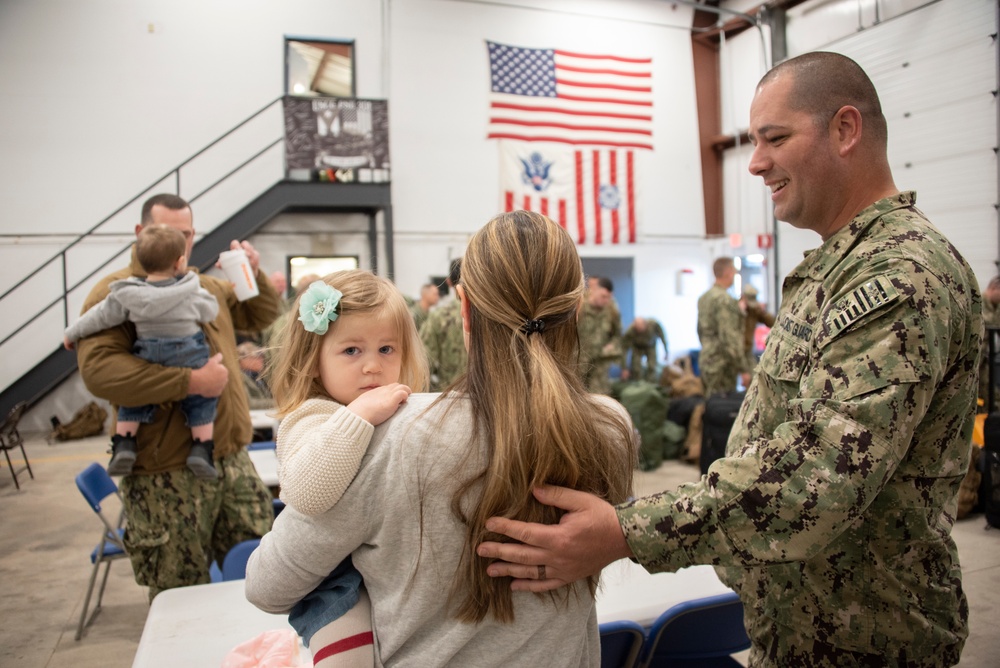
(319,450)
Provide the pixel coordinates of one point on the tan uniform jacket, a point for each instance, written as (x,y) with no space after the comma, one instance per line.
(112,372)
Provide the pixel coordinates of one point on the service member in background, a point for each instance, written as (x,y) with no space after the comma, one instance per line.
(177,523)
(831,515)
(443,337)
(720,330)
(639,345)
(600,330)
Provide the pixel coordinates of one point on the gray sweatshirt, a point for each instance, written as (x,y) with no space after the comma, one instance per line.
(396,521)
(161,310)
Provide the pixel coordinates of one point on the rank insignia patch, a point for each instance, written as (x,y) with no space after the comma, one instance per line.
(870,296)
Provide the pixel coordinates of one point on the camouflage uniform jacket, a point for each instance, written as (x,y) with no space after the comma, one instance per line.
(596,329)
(112,372)
(633,339)
(444,341)
(832,512)
(720,329)
(419,315)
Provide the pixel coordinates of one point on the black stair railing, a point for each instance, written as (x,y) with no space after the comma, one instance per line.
(175,175)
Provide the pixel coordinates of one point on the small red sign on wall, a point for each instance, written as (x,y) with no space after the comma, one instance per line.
(765,241)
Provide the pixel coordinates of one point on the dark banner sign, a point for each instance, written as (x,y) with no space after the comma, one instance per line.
(346,139)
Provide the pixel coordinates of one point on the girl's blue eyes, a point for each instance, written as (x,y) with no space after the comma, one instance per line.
(354,350)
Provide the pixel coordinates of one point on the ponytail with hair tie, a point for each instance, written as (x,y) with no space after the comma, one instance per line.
(533,327)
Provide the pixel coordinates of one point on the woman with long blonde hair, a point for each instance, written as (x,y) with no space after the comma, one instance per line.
(442,465)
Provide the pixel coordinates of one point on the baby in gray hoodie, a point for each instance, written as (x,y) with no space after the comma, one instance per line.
(166,307)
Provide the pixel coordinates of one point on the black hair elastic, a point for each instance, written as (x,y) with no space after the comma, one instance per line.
(533,327)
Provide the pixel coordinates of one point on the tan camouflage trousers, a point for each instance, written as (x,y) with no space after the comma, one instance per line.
(718,380)
(596,378)
(177,523)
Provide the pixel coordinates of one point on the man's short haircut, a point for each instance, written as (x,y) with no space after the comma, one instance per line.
(158,247)
(721,265)
(605,282)
(455,271)
(823,82)
(172,202)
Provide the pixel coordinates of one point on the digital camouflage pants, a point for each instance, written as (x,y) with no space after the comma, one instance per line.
(781,647)
(643,356)
(177,523)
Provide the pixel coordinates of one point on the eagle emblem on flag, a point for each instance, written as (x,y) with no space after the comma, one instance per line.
(536,172)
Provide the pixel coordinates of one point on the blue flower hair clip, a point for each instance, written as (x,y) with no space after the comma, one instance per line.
(318,307)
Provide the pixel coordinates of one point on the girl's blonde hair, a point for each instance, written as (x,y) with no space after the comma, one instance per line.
(521,274)
(293,373)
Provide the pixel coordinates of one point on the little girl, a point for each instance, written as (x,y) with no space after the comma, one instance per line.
(346,364)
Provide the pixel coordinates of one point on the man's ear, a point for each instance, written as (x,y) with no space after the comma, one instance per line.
(138,229)
(845,129)
(460,291)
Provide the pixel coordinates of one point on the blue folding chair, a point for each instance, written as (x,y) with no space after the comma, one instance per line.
(261,445)
(234,566)
(217,574)
(96,485)
(278,505)
(702,633)
(621,643)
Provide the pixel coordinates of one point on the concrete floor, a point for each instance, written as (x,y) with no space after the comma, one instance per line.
(48,532)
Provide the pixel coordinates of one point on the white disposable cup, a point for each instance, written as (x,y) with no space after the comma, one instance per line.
(236,266)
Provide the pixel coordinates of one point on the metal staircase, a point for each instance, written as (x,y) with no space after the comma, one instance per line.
(277,197)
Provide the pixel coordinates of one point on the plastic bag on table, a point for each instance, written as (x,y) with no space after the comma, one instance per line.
(277,648)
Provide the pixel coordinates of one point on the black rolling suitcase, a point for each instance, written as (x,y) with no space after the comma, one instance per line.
(720,414)
(989,487)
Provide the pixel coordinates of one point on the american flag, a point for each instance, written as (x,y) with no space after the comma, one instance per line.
(356,121)
(572,98)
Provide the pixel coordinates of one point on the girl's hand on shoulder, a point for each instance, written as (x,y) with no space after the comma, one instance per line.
(378,405)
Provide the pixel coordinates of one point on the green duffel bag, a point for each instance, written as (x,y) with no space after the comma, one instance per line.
(647,405)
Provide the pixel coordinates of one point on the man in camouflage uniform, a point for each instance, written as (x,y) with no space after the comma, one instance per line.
(600,332)
(832,513)
(444,338)
(720,329)
(429,297)
(639,340)
(754,314)
(177,523)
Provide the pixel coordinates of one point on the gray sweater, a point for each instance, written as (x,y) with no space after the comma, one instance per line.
(396,520)
(162,310)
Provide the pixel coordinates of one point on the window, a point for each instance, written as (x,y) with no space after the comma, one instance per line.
(301,266)
(319,67)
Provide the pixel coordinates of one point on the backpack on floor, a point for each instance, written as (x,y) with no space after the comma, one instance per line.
(88,421)
(720,415)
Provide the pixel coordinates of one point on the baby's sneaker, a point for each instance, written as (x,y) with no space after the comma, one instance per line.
(123,453)
(200,459)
